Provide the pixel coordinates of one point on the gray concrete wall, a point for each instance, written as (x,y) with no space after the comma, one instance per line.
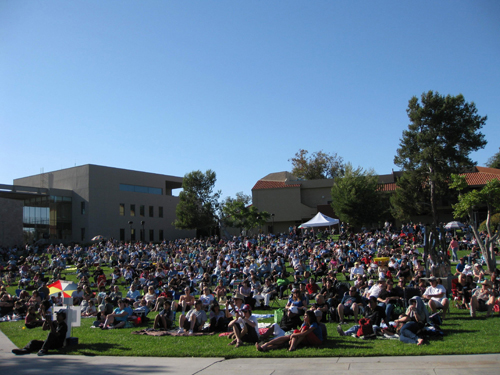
(11,222)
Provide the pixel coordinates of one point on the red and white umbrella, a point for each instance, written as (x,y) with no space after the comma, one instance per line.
(62,286)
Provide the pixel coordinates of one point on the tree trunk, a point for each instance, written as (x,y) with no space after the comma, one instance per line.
(426,249)
(487,246)
(432,186)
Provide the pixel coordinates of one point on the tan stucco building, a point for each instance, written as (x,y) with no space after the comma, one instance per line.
(90,200)
(294,201)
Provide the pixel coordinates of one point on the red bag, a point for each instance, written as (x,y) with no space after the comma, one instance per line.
(365,328)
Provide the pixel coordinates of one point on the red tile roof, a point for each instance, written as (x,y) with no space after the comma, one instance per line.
(387,187)
(479,178)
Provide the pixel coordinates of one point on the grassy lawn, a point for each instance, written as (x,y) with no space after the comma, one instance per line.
(463,335)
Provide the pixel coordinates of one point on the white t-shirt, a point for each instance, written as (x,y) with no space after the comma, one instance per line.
(252,318)
(438,289)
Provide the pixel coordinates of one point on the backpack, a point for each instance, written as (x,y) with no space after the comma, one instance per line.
(365,328)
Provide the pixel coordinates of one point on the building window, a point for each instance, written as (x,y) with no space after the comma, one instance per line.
(122,209)
(141,189)
(151,211)
(160,235)
(82,208)
(141,210)
(132,234)
(160,211)
(82,234)
(151,235)
(122,234)
(132,210)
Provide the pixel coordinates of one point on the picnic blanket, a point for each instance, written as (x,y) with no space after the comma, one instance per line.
(153,332)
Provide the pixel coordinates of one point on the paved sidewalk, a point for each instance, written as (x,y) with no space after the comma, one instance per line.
(73,365)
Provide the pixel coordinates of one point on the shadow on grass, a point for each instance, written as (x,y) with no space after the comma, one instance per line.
(91,349)
(454,331)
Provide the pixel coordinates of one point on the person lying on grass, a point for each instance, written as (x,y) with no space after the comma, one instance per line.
(309,334)
(245,327)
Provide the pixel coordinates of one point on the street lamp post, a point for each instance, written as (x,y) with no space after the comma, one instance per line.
(272,227)
(143,235)
(130,224)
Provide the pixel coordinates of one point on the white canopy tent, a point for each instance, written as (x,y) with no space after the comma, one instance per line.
(320,220)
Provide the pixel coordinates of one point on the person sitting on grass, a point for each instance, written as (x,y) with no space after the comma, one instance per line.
(55,338)
(298,301)
(234,305)
(186,301)
(373,312)
(32,319)
(349,305)
(310,334)
(118,318)
(478,273)
(245,327)
(320,304)
(90,310)
(207,298)
(194,320)
(436,294)
(217,319)
(165,318)
(290,320)
(410,331)
(268,290)
(220,292)
(482,300)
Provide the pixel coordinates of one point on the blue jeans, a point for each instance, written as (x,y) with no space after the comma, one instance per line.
(388,312)
(354,329)
(407,334)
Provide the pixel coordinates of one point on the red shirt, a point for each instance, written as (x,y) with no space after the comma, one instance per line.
(312,288)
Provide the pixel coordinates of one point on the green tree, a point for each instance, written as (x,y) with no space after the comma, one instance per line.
(410,198)
(356,198)
(489,195)
(442,133)
(319,165)
(237,213)
(494,161)
(198,203)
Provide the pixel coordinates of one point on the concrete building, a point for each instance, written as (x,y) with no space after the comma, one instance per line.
(292,201)
(82,202)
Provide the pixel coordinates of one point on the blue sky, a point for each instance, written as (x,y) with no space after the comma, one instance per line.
(234,86)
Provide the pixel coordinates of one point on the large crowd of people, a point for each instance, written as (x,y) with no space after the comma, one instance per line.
(216,285)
